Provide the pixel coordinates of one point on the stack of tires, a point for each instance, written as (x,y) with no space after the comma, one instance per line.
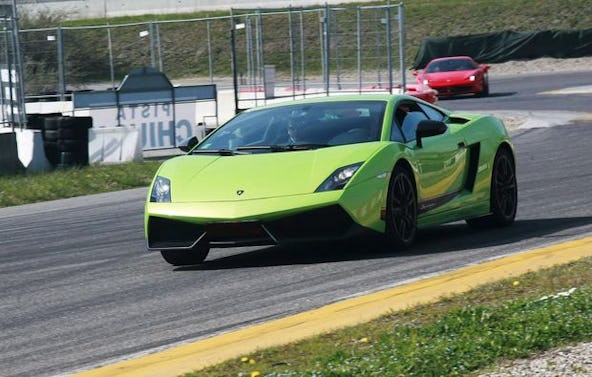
(65,140)
(37,121)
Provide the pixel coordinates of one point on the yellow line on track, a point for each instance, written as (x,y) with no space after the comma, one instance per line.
(202,353)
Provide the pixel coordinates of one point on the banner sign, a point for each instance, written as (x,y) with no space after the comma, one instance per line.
(146,99)
(163,125)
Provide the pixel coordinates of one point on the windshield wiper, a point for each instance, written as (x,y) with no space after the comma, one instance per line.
(281,148)
(221,152)
(306,146)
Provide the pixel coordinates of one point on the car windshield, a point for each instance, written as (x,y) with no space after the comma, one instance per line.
(297,127)
(450,65)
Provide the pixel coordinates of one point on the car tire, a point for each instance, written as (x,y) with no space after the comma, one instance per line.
(401,209)
(187,257)
(504,192)
(485,89)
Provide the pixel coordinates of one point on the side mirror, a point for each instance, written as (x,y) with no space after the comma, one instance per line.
(189,144)
(485,67)
(427,128)
(415,73)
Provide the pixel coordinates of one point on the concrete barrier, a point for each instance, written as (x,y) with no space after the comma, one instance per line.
(9,161)
(30,150)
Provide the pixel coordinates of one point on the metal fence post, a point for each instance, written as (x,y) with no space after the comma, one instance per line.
(111,62)
(402,45)
(18,66)
(322,43)
(389,51)
(209,37)
(302,54)
(233,61)
(159,47)
(260,51)
(291,37)
(249,50)
(378,55)
(151,36)
(359,46)
(327,48)
(61,71)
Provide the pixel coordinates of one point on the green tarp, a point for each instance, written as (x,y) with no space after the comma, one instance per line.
(508,45)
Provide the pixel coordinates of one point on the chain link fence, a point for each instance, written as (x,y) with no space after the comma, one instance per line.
(317,51)
(306,51)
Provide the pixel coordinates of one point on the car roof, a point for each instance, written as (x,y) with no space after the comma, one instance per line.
(453,58)
(337,98)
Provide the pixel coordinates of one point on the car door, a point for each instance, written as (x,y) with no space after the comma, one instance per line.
(441,162)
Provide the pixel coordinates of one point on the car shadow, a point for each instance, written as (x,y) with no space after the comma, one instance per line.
(440,239)
(471,96)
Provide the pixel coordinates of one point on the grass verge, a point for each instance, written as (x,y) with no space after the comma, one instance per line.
(64,183)
(456,336)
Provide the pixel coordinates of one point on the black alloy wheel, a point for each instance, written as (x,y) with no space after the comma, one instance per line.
(504,189)
(401,221)
(187,257)
(504,193)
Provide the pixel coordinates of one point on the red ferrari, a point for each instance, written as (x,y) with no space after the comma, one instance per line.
(455,75)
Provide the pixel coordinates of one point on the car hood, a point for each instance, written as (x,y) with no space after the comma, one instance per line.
(196,178)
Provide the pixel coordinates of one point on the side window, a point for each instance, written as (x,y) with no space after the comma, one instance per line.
(410,123)
(432,113)
(396,134)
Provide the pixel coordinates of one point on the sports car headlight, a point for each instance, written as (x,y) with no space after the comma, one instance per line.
(339,178)
(161,190)
(426,81)
(472,78)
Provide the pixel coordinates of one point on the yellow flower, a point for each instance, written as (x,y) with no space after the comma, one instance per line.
(364,340)
(251,361)
(244,359)
(516,283)
(255,374)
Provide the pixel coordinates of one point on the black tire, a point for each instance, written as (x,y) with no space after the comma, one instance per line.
(187,257)
(73,133)
(65,145)
(51,152)
(504,192)
(35,122)
(50,135)
(401,209)
(66,160)
(485,91)
(51,123)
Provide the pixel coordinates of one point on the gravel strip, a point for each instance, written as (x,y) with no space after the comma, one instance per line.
(542,65)
(572,361)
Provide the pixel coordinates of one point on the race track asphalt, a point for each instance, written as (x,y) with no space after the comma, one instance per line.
(79,290)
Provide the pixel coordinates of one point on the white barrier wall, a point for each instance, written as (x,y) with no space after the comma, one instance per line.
(77,9)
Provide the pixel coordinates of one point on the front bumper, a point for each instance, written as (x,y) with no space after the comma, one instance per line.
(325,223)
(326,215)
(453,90)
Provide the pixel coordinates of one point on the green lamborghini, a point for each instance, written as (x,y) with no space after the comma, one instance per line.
(330,168)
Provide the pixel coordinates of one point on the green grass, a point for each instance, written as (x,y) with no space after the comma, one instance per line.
(64,183)
(456,336)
